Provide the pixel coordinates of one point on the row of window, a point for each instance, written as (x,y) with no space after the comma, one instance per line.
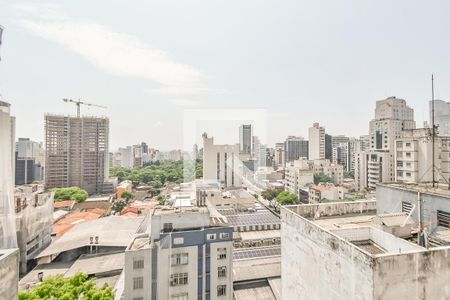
(221,291)
(212,236)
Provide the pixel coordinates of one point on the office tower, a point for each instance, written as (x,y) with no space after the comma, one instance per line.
(77,152)
(295,148)
(126,155)
(316,142)
(221,163)
(245,139)
(144,148)
(342,155)
(30,159)
(441,116)
(328,146)
(7,214)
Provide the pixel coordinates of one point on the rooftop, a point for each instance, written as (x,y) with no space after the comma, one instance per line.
(440,189)
(112,231)
(251,269)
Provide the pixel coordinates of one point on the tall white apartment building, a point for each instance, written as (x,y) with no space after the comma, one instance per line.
(413,157)
(126,155)
(186,255)
(316,141)
(392,117)
(441,116)
(298,174)
(221,163)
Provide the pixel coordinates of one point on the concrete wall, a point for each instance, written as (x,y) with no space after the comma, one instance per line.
(327,209)
(390,198)
(131,273)
(9,273)
(419,275)
(317,265)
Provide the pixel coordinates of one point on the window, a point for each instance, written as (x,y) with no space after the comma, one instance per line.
(178,241)
(406,207)
(179,279)
(408,154)
(221,253)
(138,264)
(443,218)
(408,174)
(221,290)
(224,235)
(183,296)
(138,298)
(138,283)
(408,144)
(179,259)
(222,271)
(211,236)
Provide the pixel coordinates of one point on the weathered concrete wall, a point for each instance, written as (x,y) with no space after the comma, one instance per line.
(420,275)
(339,208)
(390,198)
(9,273)
(317,265)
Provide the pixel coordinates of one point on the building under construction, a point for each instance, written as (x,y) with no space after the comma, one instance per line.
(77,153)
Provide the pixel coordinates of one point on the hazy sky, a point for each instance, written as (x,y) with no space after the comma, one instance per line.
(147,61)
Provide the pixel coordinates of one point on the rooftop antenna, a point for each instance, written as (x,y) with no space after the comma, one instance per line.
(78,104)
(433,130)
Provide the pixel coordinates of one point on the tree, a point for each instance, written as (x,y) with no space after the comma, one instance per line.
(318,178)
(286,198)
(68,288)
(127,196)
(270,194)
(70,193)
(118,205)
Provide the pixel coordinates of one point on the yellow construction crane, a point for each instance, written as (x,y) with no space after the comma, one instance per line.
(78,104)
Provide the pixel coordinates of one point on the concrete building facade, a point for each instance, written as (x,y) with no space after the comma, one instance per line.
(245,139)
(9,273)
(221,163)
(183,257)
(441,116)
(295,148)
(77,152)
(316,139)
(298,174)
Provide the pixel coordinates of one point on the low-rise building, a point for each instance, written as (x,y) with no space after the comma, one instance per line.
(326,192)
(124,186)
(327,168)
(298,174)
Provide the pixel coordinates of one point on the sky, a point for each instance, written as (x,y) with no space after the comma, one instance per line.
(151,61)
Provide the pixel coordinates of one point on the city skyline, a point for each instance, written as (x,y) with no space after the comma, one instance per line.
(298,80)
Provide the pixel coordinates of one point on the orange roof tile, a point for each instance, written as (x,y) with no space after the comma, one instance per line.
(65,203)
(70,220)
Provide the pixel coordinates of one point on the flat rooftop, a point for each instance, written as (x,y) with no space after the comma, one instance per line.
(252,269)
(440,189)
(255,218)
(256,252)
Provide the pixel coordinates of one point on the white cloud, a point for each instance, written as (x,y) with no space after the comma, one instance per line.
(115,53)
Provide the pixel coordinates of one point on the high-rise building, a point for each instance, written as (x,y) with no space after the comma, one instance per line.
(392,117)
(342,155)
(316,142)
(30,159)
(295,148)
(8,237)
(221,163)
(441,116)
(245,139)
(279,155)
(126,155)
(77,152)
(144,147)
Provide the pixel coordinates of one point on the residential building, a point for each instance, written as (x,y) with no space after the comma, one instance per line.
(77,152)
(298,174)
(279,155)
(9,273)
(7,148)
(358,251)
(392,116)
(124,186)
(342,155)
(186,255)
(127,158)
(221,163)
(295,148)
(441,116)
(326,192)
(316,149)
(245,139)
(144,148)
(327,168)
(328,147)
(413,157)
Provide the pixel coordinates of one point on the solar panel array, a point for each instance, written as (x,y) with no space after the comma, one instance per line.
(256,252)
(259,218)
